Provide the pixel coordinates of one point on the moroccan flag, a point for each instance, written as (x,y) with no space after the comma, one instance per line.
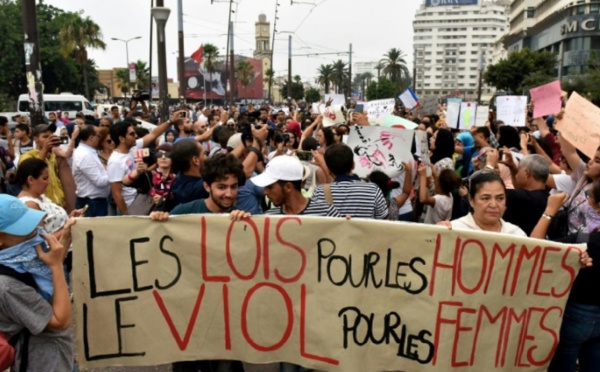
(197,55)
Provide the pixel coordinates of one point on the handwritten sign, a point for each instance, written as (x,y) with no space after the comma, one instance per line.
(380,148)
(333,115)
(511,110)
(378,110)
(398,122)
(580,124)
(452,114)
(467,115)
(481,116)
(338,99)
(546,99)
(323,293)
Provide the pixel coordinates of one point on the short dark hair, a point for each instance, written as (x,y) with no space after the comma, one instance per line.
(477,180)
(24,128)
(223,135)
(339,159)
(182,153)
(3,120)
(40,128)
(485,131)
(297,184)
(448,180)
(220,166)
(114,107)
(87,132)
(310,143)
(119,130)
(29,167)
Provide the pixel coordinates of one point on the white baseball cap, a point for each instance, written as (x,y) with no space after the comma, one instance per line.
(281,168)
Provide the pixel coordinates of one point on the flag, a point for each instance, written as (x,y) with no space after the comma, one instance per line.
(197,55)
(409,98)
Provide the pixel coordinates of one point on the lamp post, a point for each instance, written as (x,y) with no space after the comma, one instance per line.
(161,15)
(127,54)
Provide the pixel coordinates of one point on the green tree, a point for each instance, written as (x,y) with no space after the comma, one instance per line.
(297,90)
(312,95)
(142,74)
(122,75)
(395,67)
(340,75)
(245,73)
(325,76)
(211,62)
(379,66)
(269,75)
(381,89)
(522,70)
(76,36)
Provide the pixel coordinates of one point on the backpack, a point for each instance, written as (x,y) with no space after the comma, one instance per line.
(7,346)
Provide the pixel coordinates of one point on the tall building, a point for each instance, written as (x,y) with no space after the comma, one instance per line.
(453,41)
(569,28)
(263,46)
(362,67)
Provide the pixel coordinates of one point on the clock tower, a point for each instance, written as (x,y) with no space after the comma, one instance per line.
(263,47)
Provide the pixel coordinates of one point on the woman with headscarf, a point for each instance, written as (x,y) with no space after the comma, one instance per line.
(464,144)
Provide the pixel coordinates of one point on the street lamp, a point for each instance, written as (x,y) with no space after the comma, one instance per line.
(126,53)
(161,15)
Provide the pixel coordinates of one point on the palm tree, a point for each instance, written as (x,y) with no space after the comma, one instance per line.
(269,74)
(122,76)
(210,55)
(77,35)
(245,73)
(325,76)
(340,74)
(379,66)
(297,79)
(367,77)
(142,74)
(395,66)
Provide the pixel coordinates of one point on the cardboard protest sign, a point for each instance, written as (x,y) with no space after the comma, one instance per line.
(580,124)
(422,149)
(467,115)
(452,114)
(333,115)
(324,293)
(546,99)
(380,148)
(338,99)
(378,110)
(481,115)
(429,105)
(511,110)
(409,99)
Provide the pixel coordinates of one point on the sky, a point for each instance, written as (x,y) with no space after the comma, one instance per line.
(317,26)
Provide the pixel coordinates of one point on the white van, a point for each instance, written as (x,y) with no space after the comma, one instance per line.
(65,102)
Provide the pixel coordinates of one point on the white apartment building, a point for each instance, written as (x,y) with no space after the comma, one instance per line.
(453,41)
(362,67)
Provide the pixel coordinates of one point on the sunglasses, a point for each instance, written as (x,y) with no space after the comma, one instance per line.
(163,154)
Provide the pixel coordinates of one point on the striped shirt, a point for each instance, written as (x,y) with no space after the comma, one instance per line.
(355,198)
(313,208)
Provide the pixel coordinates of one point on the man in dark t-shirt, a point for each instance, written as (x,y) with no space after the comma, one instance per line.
(527,202)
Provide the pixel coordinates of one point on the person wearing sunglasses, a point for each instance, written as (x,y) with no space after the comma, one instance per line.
(162,179)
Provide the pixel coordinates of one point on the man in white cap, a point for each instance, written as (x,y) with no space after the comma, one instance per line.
(282,180)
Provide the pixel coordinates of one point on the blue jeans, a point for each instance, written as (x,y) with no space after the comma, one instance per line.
(579,340)
(96,207)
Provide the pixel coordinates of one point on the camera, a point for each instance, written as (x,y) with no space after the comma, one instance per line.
(142,95)
(64,140)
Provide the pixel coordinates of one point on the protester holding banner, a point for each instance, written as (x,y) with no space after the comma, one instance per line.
(487,197)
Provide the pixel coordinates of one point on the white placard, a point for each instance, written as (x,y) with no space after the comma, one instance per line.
(378,110)
(467,115)
(452,114)
(482,115)
(511,110)
(380,148)
(338,99)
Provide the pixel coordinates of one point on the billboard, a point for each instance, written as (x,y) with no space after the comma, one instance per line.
(201,84)
(450,2)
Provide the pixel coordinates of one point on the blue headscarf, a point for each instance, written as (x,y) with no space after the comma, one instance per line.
(466,138)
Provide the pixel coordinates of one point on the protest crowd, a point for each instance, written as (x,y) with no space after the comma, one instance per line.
(245,161)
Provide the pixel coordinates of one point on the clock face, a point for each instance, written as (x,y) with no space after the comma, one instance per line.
(264,28)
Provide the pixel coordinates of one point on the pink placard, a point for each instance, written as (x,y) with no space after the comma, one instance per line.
(546,99)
